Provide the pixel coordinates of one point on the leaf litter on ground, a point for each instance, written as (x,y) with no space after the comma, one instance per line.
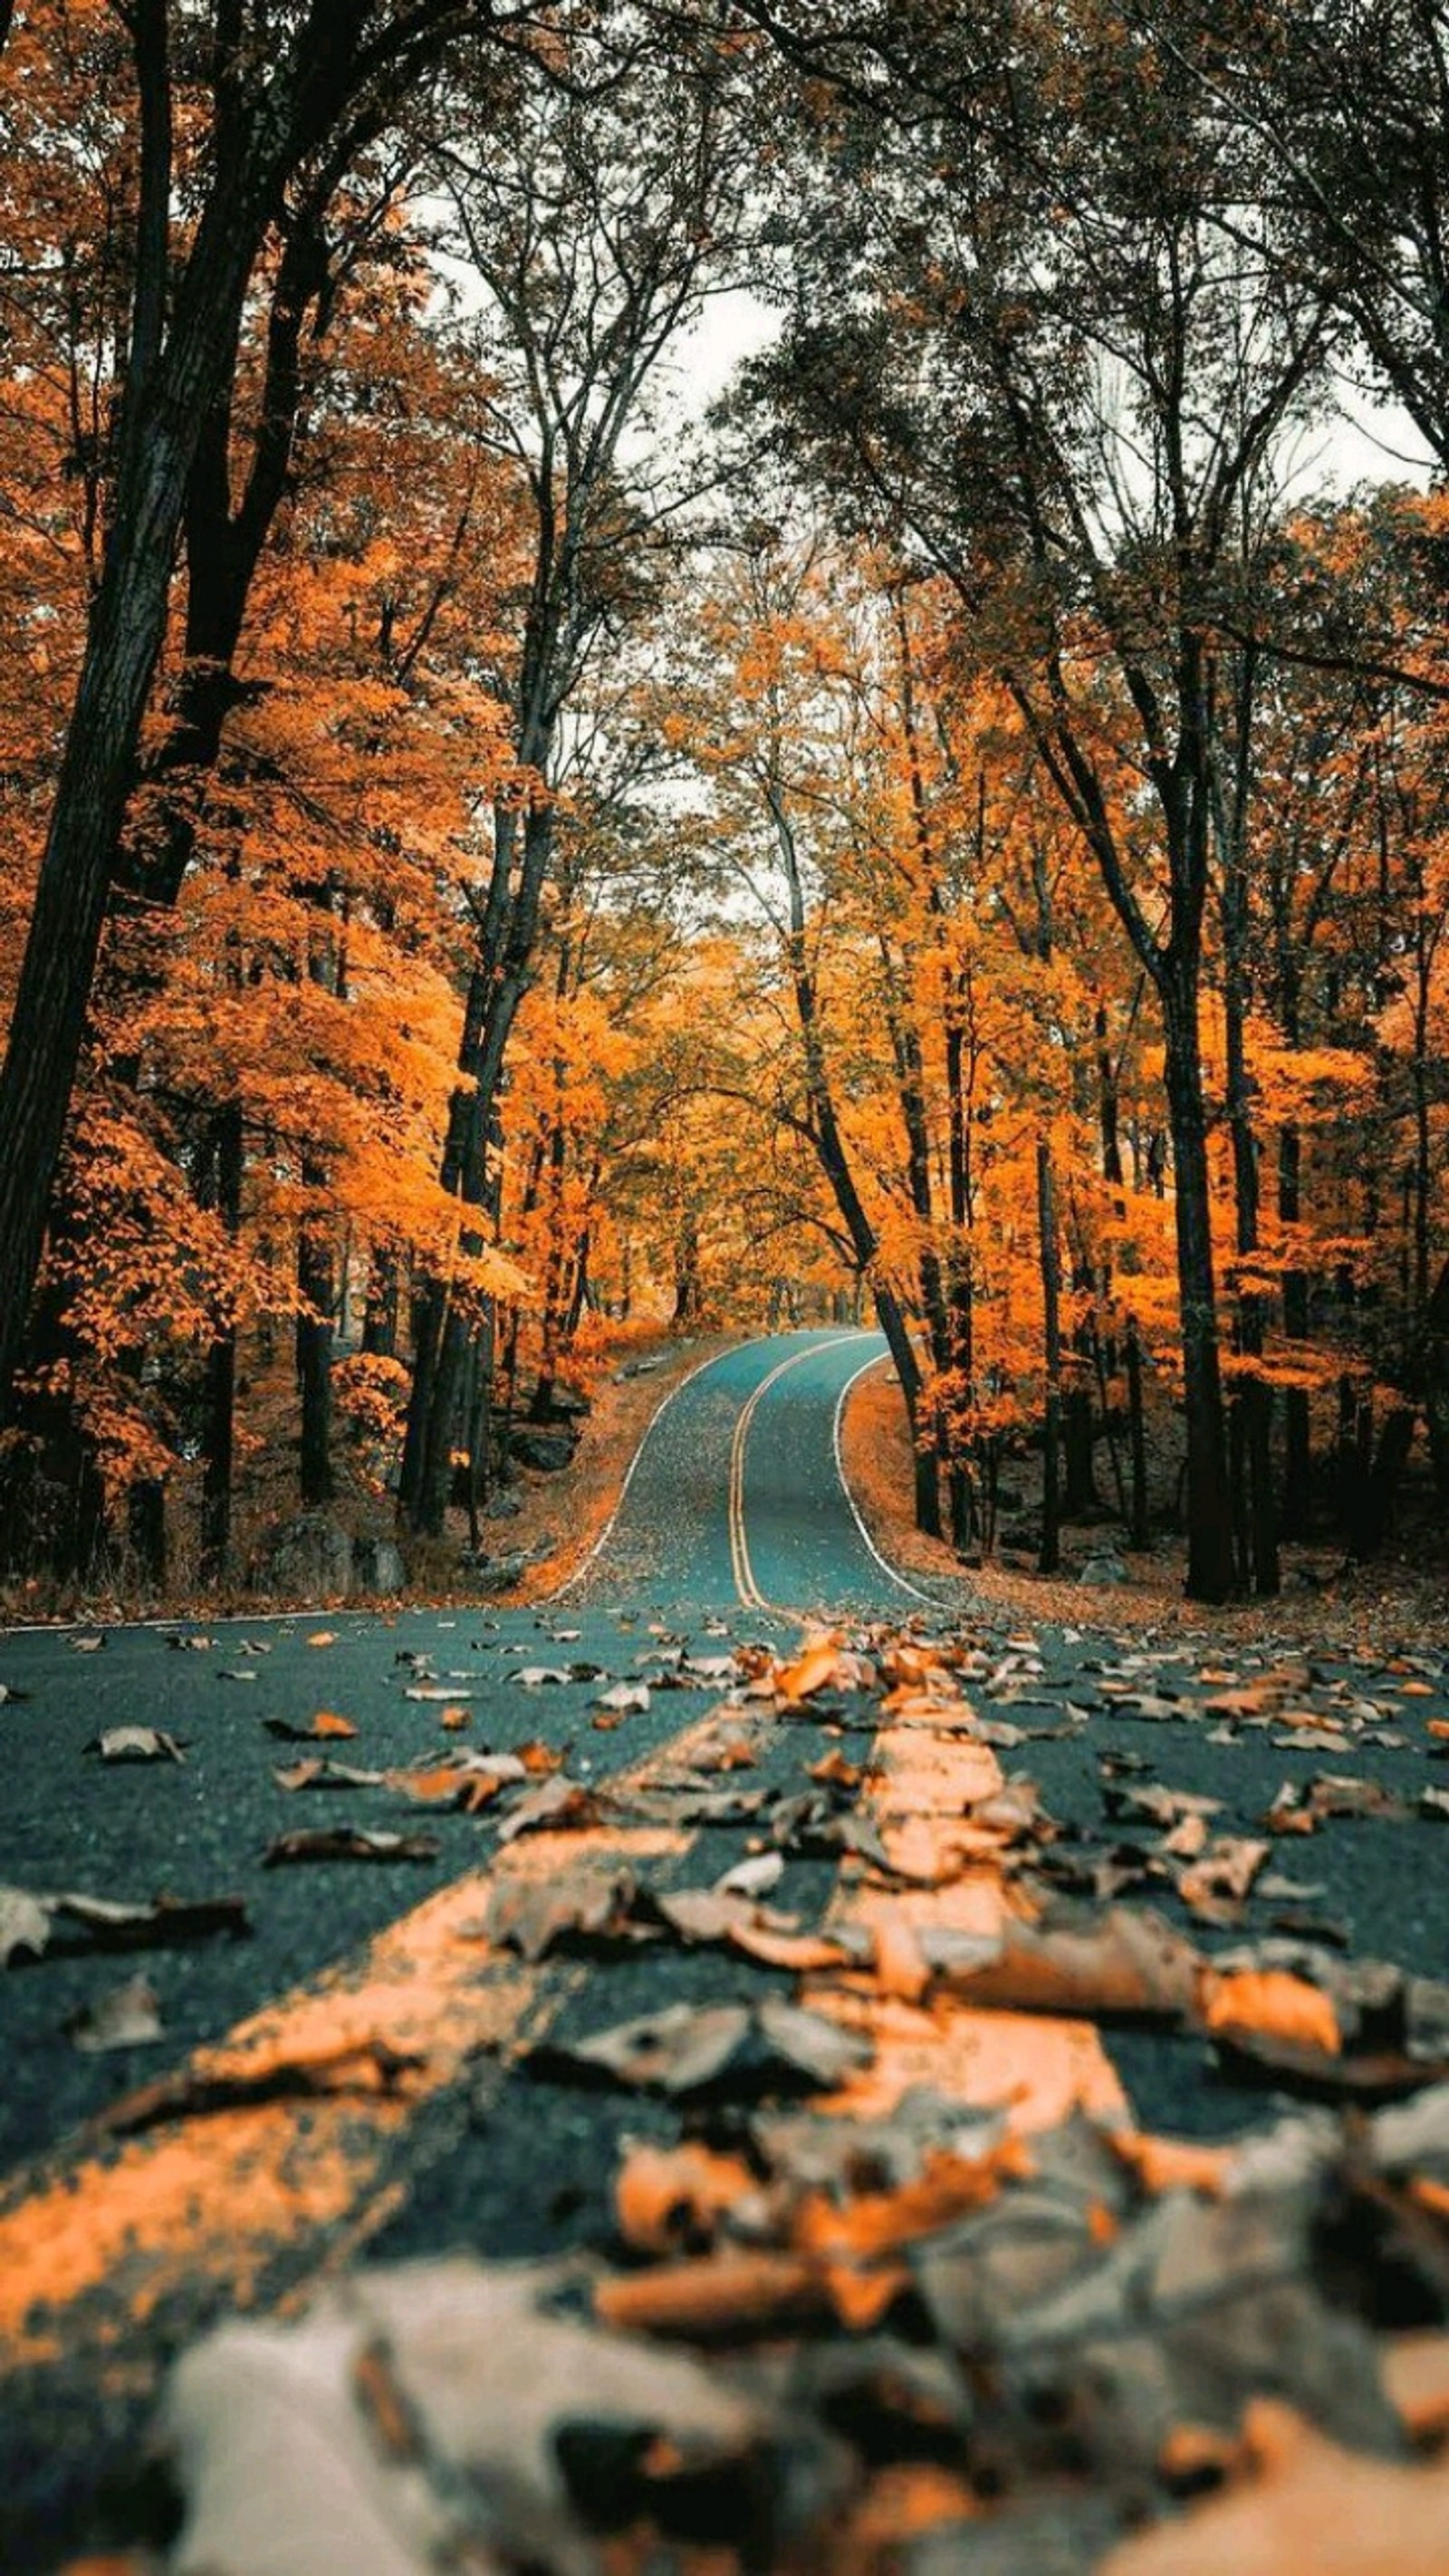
(937,2344)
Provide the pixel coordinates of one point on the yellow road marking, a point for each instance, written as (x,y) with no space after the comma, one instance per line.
(925,1778)
(745,1584)
(93,2240)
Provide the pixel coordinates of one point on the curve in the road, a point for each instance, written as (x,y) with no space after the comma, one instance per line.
(737,1494)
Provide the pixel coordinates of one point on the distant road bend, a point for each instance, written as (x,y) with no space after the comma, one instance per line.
(737,1495)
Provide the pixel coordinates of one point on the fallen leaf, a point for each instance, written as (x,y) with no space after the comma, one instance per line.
(532,1916)
(810,1672)
(1215,1886)
(719,2297)
(626,1699)
(672,2200)
(136,1744)
(1272,2002)
(25,1922)
(128,2017)
(315,1771)
(560,1806)
(755,1876)
(272,2074)
(834,1772)
(347,1842)
(1128,1965)
(323,1637)
(1307,2506)
(719,2048)
(325,1727)
(110,1922)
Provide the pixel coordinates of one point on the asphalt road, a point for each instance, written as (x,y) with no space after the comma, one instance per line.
(733,1527)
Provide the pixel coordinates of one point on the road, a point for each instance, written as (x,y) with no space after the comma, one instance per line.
(734,1528)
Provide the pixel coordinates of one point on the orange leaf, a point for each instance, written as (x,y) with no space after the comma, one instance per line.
(327,1722)
(669,2197)
(1271,2001)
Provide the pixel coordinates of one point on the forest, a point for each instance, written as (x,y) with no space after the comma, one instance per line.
(702,667)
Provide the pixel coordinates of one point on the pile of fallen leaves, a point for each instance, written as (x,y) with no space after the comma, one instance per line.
(918,2343)
(928,2336)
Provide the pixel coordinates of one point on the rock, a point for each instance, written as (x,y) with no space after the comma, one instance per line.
(567,1405)
(1104,1568)
(309,1557)
(500,1573)
(377,1565)
(503,1505)
(546,1450)
(1025,1534)
(639,1368)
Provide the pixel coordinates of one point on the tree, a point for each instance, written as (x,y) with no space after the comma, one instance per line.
(593,241)
(1079,439)
(242,113)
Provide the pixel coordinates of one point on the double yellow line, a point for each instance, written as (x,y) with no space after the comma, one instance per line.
(744,1573)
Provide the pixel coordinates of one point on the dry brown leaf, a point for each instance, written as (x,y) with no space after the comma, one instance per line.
(560,1806)
(315,1771)
(1172,2164)
(128,2017)
(672,2200)
(136,1744)
(347,1842)
(724,2048)
(1308,2508)
(323,1637)
(1131,1965)
(720,2295)
(1216,1885)
(900,1967)
(811,1672)
(1416,2375)
(541,1760)
(533,1915)
(1272,2002)
(833,1771)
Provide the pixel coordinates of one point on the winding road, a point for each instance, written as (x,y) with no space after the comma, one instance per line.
(736,1498)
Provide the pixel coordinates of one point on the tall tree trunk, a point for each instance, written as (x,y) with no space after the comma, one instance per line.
(317,1289)
(496,986)
(169,398)
(1297,1507)
(1210,1571)
(1051,1553)
(1253,1401)
(218,1437)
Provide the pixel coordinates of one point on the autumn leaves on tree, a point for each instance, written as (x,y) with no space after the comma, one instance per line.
(491,856)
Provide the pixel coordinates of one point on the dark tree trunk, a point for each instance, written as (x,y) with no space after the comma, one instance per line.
(1210,1571)
(497,984)
(1297,1507)
(1051,1553)
(218,1436)
(317,1288)
(168,401)
(1140,1527)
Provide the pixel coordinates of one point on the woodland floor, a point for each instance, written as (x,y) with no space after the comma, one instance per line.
(1402,1597)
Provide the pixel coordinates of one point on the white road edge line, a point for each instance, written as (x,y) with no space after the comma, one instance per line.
(930,1599)
(744,1572)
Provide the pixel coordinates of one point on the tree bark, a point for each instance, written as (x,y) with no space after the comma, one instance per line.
(1210,1570)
